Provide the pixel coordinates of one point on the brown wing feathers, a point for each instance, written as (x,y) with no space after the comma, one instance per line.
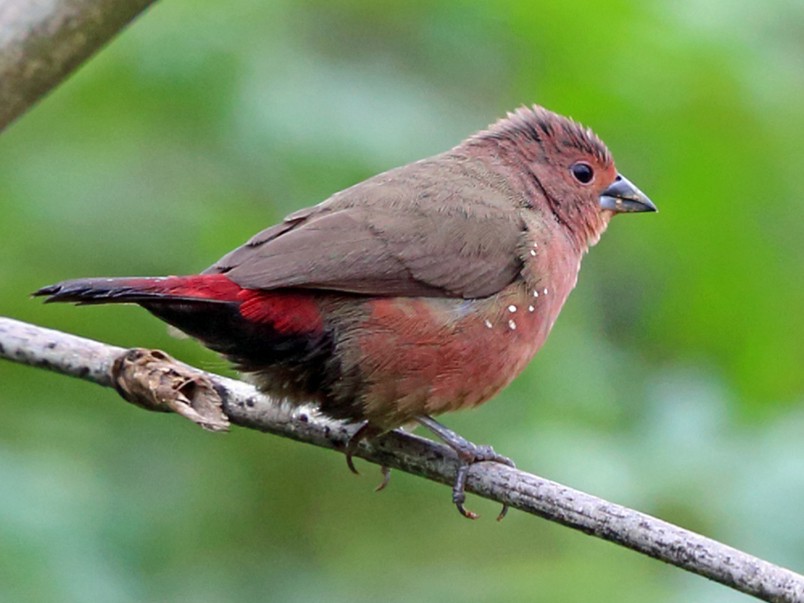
(460,241)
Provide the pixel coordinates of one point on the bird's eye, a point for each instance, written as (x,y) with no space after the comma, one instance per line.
(582,172)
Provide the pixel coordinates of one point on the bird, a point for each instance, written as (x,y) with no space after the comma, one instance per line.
(422,290)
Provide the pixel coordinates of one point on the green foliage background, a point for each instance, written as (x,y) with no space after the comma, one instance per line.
(672,383)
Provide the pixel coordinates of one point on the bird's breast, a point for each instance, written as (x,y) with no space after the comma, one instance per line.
(429,356)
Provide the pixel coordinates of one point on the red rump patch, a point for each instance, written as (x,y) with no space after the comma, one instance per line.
(288,313)
(203,286)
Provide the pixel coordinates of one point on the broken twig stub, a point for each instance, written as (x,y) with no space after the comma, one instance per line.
(155,381)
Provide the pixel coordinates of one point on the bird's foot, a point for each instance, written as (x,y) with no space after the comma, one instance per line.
(364,432)
(468,454)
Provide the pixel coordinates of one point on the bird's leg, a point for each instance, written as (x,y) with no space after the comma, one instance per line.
(468,454)
(365,432)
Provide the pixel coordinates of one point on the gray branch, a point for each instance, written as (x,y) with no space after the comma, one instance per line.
(244,406)
(42,41)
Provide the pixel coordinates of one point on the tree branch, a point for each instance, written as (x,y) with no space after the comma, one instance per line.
(244,406)
(42,41)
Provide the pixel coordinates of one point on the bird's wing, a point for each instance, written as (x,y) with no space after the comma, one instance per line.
(414,231)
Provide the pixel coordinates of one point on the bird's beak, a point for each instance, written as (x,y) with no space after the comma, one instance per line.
(623,196)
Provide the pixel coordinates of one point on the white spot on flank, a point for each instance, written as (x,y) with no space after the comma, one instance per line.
(535,245)
(531,308)
(545,290)
(512,308)
(533,253)
(512,325)
(487,323)
(535,293)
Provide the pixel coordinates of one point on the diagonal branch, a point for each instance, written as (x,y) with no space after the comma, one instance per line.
(42,41)
(244,406)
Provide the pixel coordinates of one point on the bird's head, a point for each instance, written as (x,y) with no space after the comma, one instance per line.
(567,170)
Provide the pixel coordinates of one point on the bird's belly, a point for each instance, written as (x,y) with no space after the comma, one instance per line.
(428,356)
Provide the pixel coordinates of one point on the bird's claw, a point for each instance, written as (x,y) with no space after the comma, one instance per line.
(351,447)
(468,454)
(386,477)
(365,431)
(459,491)
(350,463)
(467,457)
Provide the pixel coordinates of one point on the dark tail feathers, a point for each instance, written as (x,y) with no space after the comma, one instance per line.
(208,307)
(207,288)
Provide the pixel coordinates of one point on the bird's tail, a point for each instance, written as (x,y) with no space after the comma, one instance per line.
(204,306)
(204,288)
(252,327)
